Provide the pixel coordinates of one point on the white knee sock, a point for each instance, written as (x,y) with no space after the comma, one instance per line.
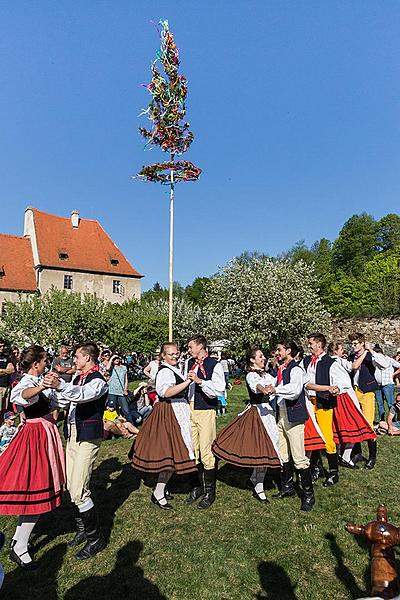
(347,453)
(25,527)
(260,476)
(159,490)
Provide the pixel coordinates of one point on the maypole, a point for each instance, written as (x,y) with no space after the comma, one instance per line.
(170,132)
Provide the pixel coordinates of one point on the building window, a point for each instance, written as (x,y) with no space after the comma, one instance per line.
(114,262)
(116,286)
(67,282)
(3,309)
(63,255)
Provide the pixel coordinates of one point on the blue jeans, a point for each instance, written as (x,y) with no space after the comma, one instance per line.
(145,411)
(387,391)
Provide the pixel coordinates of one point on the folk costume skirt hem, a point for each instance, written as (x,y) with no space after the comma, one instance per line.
(159,445)
(246,443)
(32,471)
(349,424)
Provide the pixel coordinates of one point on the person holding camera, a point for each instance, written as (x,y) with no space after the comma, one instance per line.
(118,388)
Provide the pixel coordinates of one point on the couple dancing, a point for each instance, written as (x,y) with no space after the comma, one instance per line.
(178,435)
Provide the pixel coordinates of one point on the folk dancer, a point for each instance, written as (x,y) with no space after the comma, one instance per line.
(208,382)
(251,439)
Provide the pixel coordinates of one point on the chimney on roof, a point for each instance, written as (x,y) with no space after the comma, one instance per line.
(75,219)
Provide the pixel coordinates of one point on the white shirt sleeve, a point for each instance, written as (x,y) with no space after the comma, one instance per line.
(394,363)
(379,360)
(292,390)
(216,385)
(81,393)
(25,383)
(164,380)
(340,377)
(253,379)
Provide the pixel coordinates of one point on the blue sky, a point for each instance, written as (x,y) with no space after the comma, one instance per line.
(294,107)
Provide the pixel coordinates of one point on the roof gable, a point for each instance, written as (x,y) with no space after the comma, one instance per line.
(86,247)
(17,271)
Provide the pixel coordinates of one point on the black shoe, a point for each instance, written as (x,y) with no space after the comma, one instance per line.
(197,480)
(157,503)
(358,458)
(31,548)
(287,486)
(210,476)
(249,484)
(262,500)
(95,541)
(308,498)
(80,535)
(372,447)
(332,479)
(347,464)
(168,496)
(30,566)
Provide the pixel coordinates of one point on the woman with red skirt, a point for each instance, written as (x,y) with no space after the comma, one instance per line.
(32,473)
(164,442)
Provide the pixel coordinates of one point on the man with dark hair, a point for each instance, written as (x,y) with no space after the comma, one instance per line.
(325,378)
(291,401)
(6,369)
(364,364)
(208,382)
(84,399)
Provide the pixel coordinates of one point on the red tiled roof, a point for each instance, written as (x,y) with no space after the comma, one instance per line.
(88,247)
(16,263)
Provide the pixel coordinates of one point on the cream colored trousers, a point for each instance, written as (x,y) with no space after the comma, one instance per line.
(80,458)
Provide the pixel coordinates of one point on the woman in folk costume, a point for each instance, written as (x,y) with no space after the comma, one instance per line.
(164,443)
(32,471)
(251,439)
(349,424)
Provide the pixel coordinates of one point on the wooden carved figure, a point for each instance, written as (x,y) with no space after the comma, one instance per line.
(384,536)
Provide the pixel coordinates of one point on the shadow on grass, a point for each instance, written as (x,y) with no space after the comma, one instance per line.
(36,584)
(275,582)
(343,573)
(237,477)
(127,580)
(109,494)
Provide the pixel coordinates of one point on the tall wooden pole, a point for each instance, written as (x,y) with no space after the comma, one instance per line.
(171,252)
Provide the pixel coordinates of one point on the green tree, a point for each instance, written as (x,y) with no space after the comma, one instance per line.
(195,292)
(388,234)
(356,244)
(263,300)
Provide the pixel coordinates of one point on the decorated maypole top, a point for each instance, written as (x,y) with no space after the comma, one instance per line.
(170,131)
(167,112)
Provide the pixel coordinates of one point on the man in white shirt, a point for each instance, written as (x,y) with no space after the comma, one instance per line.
(84,399)
(384,378)
(208,382)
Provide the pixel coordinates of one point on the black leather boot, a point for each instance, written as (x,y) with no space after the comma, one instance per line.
(356,453)
(317,470)
(333,473)
(94,538)
(197,485)
(80,535)
(372,448)
(308,498)
(210,476)
(287,487)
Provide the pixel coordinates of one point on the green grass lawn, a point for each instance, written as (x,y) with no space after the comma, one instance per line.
(238,549)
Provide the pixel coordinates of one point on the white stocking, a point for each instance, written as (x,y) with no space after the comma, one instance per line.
(259,473)
(159,490)
(347,453)
(23,532)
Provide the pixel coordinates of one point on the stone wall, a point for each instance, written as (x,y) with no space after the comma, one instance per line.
(385,331)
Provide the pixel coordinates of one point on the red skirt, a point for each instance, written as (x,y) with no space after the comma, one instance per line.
(349,424)
(312,439)
(159,445)
(245,443)
(32,472)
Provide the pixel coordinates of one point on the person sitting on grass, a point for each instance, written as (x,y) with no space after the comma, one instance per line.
(392,426)
(115,424)
(7,430)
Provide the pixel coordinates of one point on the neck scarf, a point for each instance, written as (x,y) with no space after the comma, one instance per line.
(83,376)
(316,357)
(199,363)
